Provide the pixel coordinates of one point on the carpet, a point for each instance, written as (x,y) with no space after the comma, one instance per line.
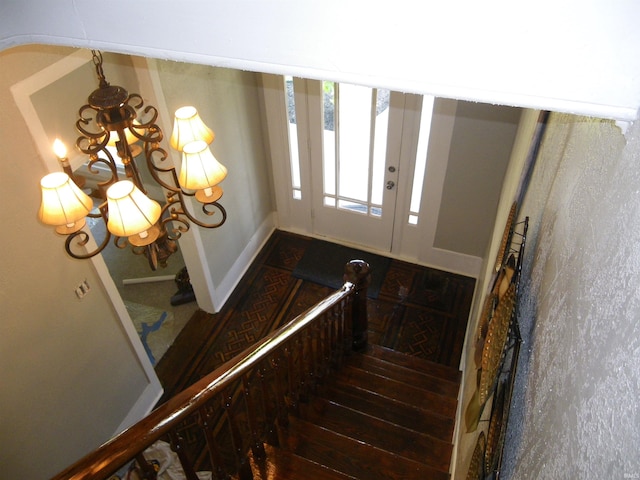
(323,262)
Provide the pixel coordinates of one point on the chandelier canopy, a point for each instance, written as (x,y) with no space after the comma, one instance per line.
(114,118)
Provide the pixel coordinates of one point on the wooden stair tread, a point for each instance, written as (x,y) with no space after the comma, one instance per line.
(354,457)
(405,374)
(282,464)
(391,410)
(396,390)
(413,362)
(379,433)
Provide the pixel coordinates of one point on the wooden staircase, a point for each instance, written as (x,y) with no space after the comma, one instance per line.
(383,415)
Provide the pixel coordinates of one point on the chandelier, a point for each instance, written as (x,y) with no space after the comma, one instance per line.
(114,118)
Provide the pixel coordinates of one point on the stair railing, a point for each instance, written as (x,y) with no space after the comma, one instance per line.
(217,421)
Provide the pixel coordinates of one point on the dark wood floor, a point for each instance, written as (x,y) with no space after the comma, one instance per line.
(419,311)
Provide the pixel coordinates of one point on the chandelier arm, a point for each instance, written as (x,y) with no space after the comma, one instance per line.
(170,215)
(206,208)
(110,164)
(89,135)
(83,238)
(152,150)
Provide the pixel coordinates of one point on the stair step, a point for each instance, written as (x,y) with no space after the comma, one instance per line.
(438,404)
(391,410)
(354,457)
(405,374)
(285,465)
(415,363)
(379,433)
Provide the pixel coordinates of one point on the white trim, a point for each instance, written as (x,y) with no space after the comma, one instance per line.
(23,90)
(454,262)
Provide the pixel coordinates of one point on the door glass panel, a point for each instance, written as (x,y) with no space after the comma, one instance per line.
(294,158)
(354,147)
(354,133)
(329,138)
(380,127)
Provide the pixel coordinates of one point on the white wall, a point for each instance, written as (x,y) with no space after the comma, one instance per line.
(69,371)
(495,51)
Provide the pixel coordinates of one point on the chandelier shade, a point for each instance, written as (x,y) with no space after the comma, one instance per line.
(63,205)
(131,212)
(201,171)
(189,127)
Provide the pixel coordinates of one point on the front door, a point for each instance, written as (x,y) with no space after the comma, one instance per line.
(357,159)
(354,175)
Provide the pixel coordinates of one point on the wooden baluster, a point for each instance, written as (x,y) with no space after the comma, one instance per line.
(359,273)
(341,339)
(145,469)
(177,445)
(242,462)
(282,411)
(325,339)
(207,424)
(292,390)
(302,367)
(257,447)
(270,412)
(307,365)
(318,349)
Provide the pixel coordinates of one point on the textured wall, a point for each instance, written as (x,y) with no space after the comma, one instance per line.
(575,412)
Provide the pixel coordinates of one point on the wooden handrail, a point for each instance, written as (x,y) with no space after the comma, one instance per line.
(126,446)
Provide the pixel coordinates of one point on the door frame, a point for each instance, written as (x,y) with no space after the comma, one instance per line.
(412,243)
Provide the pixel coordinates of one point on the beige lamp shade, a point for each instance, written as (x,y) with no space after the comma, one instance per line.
(63,205)
(132,214)
(201,171)
(189,127)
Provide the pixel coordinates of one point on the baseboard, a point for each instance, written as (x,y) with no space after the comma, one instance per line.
(143,406)
(244,261)
(454,262)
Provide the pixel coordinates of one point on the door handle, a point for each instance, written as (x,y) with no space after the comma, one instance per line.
(390,184)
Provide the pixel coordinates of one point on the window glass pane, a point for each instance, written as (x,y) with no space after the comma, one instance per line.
(421,157)
(354,127)
(294,159)
(329,201)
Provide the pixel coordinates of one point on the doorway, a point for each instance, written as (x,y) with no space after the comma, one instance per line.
(356,159)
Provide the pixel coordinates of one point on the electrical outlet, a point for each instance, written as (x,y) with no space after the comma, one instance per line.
(82,289)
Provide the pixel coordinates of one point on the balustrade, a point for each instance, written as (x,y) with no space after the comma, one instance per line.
(215,423)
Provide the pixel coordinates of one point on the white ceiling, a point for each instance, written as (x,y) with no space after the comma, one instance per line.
(571,56)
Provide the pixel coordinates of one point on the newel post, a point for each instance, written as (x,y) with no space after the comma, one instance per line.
(358,272)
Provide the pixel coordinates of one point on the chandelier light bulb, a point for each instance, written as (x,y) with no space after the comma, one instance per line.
(59,149)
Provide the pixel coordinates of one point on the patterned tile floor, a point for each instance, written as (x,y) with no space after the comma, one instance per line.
(419,311)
